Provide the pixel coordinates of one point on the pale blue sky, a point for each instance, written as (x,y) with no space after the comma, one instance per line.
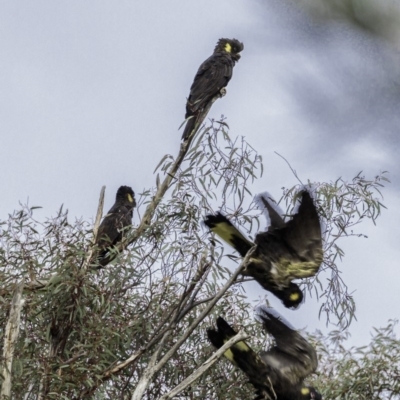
(84,82)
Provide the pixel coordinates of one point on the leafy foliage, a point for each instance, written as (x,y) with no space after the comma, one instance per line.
(369,372)
(140,321)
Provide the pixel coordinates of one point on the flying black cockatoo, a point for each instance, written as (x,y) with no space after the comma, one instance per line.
(113,226)
(286,251)
(276,374)
(212,76)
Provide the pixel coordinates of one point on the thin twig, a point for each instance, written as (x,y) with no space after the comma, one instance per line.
(200,277)
(123,364)
(74,358)
(194,305)
(287,162)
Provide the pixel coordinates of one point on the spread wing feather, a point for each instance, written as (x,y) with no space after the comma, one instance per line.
(271,210)
(303,234)
(292,351)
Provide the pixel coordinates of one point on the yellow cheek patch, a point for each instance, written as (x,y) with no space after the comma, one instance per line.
(228,48)
(130,198)
(305,391)
(294,297)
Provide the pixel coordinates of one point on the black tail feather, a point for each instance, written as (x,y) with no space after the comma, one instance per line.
(190,124)
(223,228)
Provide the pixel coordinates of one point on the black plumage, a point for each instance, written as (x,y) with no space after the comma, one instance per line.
(60,329)
(118,218)
(279,372)
(286,251)
(110,233)
(212,76)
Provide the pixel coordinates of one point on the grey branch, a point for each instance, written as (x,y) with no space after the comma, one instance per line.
(150,371)
(144,223)
(205,366)
(99,214)
(147,374)
(162,188)
(10,338)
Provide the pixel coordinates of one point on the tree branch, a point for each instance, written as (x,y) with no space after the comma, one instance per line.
(92,251)
(161,189)
(147,374)
(144,223)
(10,338)
(150,371)
(205,366)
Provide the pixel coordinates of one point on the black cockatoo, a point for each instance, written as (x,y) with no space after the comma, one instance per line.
(286,251)
(212,76)
(279,372)
(118,218)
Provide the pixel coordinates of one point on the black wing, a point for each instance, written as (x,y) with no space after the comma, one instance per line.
(111,229)
(212,76)
(293,356)
(223,228)
(260,267)
(303,234)
(295,250)
(264,203)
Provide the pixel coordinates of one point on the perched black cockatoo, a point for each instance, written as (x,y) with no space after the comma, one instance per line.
(276,374)
(286,251)
(119,217)
(212,76)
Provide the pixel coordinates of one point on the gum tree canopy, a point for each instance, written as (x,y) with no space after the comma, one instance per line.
(133,324)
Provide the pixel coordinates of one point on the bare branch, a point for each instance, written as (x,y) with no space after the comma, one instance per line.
(205,366)
(147,374)
(162,188)
(291,168)
(10,338)
(99,214)
(92,252)
(151,371)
